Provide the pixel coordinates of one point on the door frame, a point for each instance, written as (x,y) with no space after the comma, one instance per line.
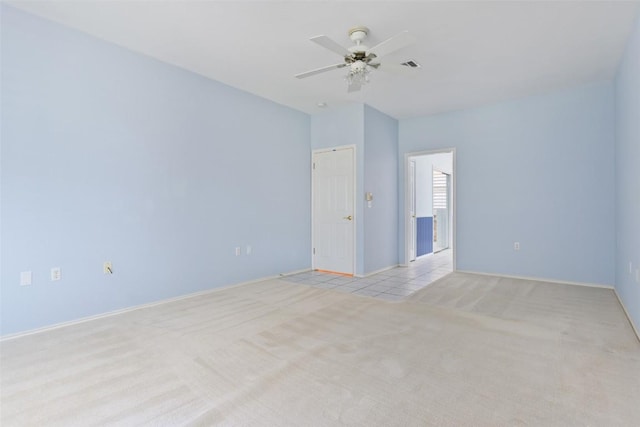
(412,249)
(355,207)
(406,208)
(449,212)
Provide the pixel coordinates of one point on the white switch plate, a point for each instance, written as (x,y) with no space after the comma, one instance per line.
(25,278)
(516,246)
(56,274)
(238,251)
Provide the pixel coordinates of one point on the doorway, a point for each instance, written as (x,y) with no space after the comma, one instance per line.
(441,194)
(333,209)
(430,205)
(412,233)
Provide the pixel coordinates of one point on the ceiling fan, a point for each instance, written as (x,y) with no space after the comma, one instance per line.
(360,59)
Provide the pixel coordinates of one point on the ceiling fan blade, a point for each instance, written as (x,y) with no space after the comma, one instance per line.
(327,43)
(396,68)
(320,70)
(396,42)
(354,86)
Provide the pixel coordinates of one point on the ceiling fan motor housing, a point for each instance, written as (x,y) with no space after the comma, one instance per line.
(357,34)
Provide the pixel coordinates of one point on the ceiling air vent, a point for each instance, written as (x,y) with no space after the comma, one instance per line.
(412,64)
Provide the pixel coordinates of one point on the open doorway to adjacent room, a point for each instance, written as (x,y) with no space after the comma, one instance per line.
(430,212)
(430,231)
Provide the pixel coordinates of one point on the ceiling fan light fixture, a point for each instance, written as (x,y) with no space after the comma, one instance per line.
(358,73)
(359,59)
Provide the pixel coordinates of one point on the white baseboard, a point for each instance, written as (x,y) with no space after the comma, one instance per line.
(377,271)
(208,291)
(141,306)
(633,326)
(636,330)
(291,273)
(540,279)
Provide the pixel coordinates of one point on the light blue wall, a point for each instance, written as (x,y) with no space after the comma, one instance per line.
(381,179)
(110,155)
(375,137)
(424,186)
(338,127)
(627,93)
(538,171)
(425,165)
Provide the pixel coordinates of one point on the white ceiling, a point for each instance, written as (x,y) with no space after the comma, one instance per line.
(471,53)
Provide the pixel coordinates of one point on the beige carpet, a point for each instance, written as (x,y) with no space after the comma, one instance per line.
(467,350)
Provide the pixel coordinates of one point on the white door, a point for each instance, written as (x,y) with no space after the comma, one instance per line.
(334,210)
(412,211)
(440,210)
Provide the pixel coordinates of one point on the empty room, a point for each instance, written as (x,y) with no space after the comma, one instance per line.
(316,213)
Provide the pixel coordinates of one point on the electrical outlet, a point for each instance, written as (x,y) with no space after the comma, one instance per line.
(25,278)
(516,246)
(107,268)
(56,274)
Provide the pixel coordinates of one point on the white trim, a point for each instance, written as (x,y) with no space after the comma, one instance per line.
(391,267)
(291,273)
(539,279)
(410,232)
(429,254)
(565,282)
(355,200)
(454,205)
(633,326)
(141,306)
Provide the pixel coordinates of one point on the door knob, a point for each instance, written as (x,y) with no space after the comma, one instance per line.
(347,217)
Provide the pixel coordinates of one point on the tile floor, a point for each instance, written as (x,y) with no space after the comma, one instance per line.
(392,285)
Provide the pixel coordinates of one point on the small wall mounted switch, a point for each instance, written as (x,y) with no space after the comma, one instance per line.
(56,274)
(516,246)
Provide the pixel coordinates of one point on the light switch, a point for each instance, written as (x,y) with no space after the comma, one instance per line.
(56,274)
